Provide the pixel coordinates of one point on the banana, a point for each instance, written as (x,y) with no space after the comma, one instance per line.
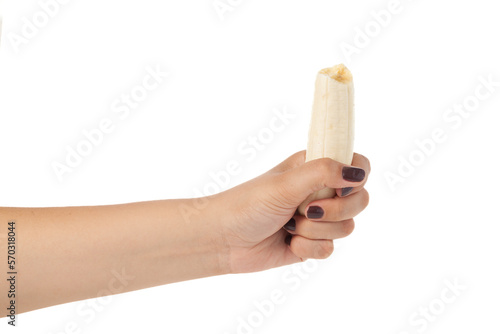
(331,131)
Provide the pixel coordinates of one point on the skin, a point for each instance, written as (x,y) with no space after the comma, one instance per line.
(66,254)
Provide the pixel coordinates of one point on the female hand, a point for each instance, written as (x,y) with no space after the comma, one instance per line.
(145,244)
(261,227)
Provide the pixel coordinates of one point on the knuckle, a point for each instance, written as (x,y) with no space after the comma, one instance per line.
(348,227)
(324,166)
(324,249)
(365,198)
(365,163)
(292,161)
(322,169)
(368,167)
(298,158)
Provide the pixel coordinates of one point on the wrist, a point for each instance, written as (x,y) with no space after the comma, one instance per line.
(209,239)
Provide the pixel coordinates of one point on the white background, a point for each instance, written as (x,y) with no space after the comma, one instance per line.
(226,75)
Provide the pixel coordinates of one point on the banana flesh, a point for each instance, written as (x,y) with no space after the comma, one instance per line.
(331,131)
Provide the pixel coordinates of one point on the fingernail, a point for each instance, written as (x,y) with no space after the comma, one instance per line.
(346,191)
(353,174)
(290,226)
(315,212)
(288,239)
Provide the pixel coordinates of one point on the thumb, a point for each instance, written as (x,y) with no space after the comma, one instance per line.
(317,174)
(292,161)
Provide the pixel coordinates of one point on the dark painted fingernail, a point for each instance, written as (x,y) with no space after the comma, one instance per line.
(315,212)
(290,226)
(288,239)
(346,191)
(353,174)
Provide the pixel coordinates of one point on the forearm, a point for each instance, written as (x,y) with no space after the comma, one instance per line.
(74,253)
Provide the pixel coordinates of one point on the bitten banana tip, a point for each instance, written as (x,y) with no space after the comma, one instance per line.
(338,72)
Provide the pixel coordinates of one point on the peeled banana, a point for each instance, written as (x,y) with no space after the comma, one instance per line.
(331,131)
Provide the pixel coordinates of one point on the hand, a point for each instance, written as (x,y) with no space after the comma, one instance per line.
(167,241)
(253,223)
